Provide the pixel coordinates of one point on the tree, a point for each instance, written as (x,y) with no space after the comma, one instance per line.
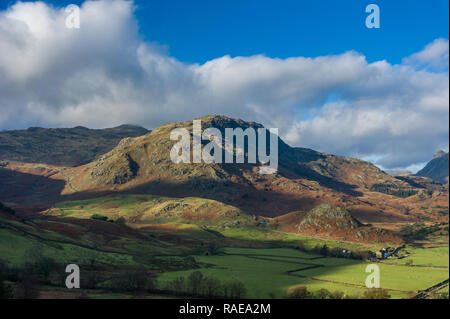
(39,265)
(211,287)
(323,294)
(337,295)
(130,281)
(27,288)
(363,255)
(7,209)
(212,248)
(324,250)
(299,292)
(90,280)
(179,285)
(301,246)
(5,290)
(88,258)
(34,254)
(121,220)
(376,293)
(195,280)
(99,217)
(237,290)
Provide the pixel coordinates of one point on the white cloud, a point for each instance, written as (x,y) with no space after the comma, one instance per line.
(434,56)
(103,75)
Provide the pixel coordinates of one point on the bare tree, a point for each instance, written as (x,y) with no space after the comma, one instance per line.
(195,280)
(28,288)
(5,290)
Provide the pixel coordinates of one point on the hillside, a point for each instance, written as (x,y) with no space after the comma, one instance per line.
(437,168)
(131,211)
(62,146)
(142,210)
(96,244)
(305,178)
(331,221)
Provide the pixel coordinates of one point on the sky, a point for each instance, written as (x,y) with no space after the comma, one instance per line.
(310,68)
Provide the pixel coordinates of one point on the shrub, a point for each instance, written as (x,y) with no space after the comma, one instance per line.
(376,293)
(27,288)
(439,295)
(299,292)
(198,285)
(211,287)
(337,295)
(5,290)
(7,209)
(130,281)
(178,286)
(38,265)
(392,189)
(99,217)
(322,294)
(234,290)
(195,279)
(121,220)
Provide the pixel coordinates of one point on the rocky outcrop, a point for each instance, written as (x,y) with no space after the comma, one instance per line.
(328,217)
(116,169)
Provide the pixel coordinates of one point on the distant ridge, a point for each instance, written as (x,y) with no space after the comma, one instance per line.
(63,146)
(437,168)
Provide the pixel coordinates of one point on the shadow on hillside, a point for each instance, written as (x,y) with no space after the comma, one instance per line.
(246,198)
(35,192)
(308,173)
(262,202)
(29,191)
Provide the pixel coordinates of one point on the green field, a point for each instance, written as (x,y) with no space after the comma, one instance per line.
(13,248)
(146,209)
(260,235)
(433,256)
(169,236)
(267,273)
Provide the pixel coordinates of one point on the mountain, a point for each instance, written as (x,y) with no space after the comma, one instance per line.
(62,146)
(305,180)
(143,164)
(437,168)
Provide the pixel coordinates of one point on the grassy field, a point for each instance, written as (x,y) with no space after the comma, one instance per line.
(292,240)
(13,248)
(142,209)
(433,256)
(168,232)
(270,272)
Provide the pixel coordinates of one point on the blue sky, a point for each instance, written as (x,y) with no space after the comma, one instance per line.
(200,30)
(310,68)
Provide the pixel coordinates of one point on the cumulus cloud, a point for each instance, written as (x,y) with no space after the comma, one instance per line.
(434,56)
(103,75)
